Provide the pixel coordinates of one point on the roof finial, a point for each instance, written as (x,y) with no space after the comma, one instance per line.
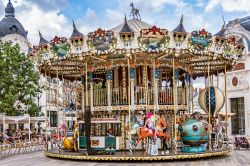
(125,19)
(74,25)
(224,23)
(181,21)
(9,10)
(40,34)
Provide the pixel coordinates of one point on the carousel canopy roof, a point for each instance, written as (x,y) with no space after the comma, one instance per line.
(193,53)
(135,25)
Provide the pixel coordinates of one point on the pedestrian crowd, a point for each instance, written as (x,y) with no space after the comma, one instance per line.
(20,141)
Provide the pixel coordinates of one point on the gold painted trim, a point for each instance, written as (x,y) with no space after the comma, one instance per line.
(139,107)
(139,158)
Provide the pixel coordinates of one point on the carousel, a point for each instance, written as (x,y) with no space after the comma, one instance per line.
(129,94)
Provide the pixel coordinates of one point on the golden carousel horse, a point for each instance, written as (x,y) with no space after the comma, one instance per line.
(71,141)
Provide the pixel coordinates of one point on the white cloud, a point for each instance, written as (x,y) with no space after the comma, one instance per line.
(192,20)
(229,5)
(113,18)
(200,3)
(50,23)
(88,22)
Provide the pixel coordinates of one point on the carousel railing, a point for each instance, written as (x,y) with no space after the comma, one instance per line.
(140,95)
(119,96)
(100,97)
(165,95)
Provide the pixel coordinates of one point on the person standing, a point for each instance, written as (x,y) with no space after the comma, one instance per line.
(141,119)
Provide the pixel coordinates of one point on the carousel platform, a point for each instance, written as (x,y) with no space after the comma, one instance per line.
(136,156)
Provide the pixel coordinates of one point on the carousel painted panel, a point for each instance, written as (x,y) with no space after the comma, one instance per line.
(153,39)
(101,41)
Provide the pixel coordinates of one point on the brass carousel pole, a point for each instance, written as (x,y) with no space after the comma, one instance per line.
(57,95)
(174,99)
(46,106)
(49,96)
(64,101)
(76,113)
(144,142)
(129,113)
(146,89)
(192,93)
(225,79)
(209,104)
(154,90)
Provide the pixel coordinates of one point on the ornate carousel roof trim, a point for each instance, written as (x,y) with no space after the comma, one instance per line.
(192,51)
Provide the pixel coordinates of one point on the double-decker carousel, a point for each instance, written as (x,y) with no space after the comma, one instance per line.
(133,92)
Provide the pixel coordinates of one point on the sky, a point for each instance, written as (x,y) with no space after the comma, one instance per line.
(54,17)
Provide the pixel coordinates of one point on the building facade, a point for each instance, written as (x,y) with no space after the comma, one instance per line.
(238,81)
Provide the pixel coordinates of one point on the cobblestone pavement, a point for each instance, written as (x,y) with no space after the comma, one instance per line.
(237,158)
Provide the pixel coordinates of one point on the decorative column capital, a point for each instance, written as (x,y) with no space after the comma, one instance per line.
(109,75)
(132,73)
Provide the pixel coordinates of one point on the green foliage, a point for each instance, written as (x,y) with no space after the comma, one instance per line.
(19,82)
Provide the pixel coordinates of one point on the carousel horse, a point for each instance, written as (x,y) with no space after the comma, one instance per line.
(135,12)
(158,131)
(71,141)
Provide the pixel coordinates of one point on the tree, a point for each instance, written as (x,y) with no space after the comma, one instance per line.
(19,81)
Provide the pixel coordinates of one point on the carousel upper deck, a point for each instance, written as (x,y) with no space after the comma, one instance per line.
(134,66)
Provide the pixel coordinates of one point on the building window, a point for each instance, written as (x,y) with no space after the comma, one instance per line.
(53,118)
(178,45)
(238,121)
(239,66)
(127,44)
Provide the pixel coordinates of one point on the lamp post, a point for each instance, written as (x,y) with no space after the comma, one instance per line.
(29,127)
(39,96)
